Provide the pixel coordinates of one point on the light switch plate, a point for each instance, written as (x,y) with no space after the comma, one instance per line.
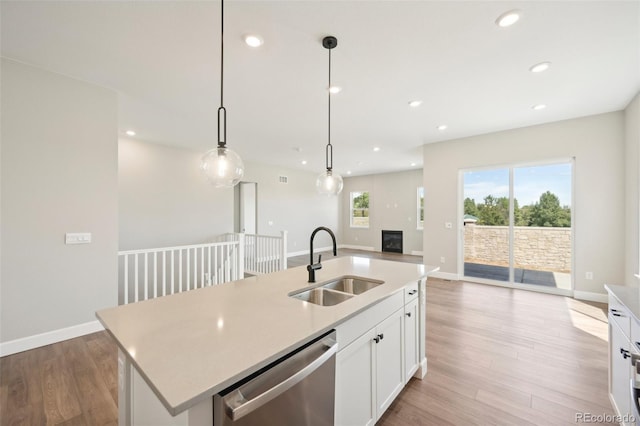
(77,238)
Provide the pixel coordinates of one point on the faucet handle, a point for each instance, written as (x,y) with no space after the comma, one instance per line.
(319,258)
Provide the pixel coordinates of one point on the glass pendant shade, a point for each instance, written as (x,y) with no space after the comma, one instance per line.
(222,167)
(329,183)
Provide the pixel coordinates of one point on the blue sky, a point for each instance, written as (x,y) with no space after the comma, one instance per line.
(529,183)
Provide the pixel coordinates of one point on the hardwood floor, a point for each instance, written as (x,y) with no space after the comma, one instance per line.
(507,357)
(74,382)
(495,357)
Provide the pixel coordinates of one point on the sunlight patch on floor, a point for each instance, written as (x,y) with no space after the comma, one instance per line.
(588,318)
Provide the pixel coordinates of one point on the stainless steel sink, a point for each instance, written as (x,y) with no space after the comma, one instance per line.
(336,291)
(352,285)
(322,296)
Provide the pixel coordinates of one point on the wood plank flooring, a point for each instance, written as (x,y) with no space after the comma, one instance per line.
(507,357)
(74,382)
(495,357)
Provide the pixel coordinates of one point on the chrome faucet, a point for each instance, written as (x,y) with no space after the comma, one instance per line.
(312,267)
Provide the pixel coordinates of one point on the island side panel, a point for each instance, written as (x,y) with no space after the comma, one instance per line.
(138,405)
(422,308)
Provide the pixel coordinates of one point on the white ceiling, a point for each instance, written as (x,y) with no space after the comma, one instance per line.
(162,57)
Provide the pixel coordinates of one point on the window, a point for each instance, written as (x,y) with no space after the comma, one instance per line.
(420,204)
(359,209)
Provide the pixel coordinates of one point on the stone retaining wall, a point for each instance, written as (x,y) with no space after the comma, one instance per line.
(538,248)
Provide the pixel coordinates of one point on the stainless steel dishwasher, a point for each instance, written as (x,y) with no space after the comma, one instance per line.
(296,390)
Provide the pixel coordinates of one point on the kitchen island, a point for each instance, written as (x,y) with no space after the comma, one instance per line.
(188,347)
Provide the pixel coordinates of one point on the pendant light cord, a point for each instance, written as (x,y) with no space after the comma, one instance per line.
(329,150)
(222,112)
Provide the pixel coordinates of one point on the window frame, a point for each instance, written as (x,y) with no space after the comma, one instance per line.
(420,208)
(352,208)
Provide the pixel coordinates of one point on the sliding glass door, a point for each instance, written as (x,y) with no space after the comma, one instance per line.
(517,226)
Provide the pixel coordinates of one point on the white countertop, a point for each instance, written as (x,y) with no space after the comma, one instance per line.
(190,346)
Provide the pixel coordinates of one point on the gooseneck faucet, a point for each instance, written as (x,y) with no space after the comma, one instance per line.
(312,267)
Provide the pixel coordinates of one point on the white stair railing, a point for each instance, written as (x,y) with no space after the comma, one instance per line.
(262,253)
(149,273)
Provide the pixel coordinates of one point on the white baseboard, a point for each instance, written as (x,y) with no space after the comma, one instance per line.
(352,247)
(590,296)
(43,339)
(417,253)
(445,275)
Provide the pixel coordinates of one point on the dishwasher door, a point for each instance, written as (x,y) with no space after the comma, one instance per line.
(297,390)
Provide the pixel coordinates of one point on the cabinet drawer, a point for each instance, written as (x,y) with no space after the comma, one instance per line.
(411,292)
(620,315)
(359,324)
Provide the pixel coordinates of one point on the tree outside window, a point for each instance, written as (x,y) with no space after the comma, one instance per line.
(359,209)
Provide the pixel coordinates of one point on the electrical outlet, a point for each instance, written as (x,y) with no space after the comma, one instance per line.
(442,259)
(589,275)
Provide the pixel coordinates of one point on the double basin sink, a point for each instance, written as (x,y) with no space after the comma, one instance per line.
(336,291)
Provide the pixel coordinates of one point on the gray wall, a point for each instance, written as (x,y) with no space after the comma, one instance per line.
(165,200)
(392,205)
(596,142)
(59,175)
(632,192)
(295,206)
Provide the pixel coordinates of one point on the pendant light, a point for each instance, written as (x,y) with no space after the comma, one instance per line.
(222,166)
(329,183)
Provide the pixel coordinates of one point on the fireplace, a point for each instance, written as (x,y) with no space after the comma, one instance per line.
(392,241)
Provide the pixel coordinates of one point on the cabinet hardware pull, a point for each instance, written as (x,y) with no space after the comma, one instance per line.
(408,314)
(376,339)
(617,315)
(625,353)
(381,336)
(412,292)
(614,310)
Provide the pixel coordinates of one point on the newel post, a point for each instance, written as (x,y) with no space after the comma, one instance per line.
(283,251)
(240,256)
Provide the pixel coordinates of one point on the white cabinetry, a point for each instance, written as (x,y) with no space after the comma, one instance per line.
(379,351)
(370,373)
(621,347)
(389,360)
(411,339)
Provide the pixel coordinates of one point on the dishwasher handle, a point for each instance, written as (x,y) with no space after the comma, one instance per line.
(237,406)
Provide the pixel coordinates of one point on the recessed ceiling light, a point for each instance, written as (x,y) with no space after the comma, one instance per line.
(415,104)
(508,18)
(542,66)
(413,164)
(304,162)
(130,133)
(442,127)
(253,40)
(348,172)
(538,107)
(376,149)
(335,89)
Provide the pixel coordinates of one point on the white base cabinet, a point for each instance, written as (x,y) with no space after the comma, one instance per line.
(379,352)
(624,338)
(370,373)
(411,339)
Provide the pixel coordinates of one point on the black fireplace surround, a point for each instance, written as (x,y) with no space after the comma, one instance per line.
(392,241)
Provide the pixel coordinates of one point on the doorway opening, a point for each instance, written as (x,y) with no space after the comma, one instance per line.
(246,208)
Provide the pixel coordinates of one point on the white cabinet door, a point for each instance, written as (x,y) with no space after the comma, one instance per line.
(619,368)
(355,381)
(389,360)
(411,348)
